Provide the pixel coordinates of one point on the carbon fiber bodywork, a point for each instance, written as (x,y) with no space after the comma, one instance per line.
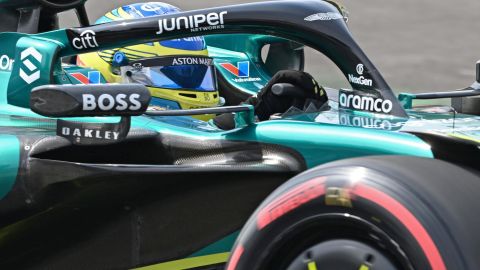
(134,203)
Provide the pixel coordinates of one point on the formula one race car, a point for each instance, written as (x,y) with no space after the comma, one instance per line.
(90,178)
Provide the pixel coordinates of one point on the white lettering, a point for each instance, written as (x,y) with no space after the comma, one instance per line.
(365,103)
(136,105)
(89,102)
(88,133)
(101,102)
(86,40)
(360,80)
(6,63)
(123,105)
(76,132)
(107,102)
(213,20)
(65,131)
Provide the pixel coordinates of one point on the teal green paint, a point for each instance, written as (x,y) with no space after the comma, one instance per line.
(406,99)
(316,142)
(223,245)
(319,143)
(9,162)
(18,89)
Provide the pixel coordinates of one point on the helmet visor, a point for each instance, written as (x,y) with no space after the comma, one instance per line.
(176,72)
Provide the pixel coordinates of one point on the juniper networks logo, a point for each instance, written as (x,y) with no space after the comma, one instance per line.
(195,23)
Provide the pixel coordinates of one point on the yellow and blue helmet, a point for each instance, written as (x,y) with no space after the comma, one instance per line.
(178,73)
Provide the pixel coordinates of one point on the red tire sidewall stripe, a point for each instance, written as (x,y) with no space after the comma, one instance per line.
(406,218)
(235,257)
(290,200)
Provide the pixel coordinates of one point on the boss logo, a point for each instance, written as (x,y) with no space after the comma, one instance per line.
(364,103)
(86,40)
(107,102)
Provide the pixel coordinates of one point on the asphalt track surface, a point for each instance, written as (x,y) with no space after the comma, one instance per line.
(417,45)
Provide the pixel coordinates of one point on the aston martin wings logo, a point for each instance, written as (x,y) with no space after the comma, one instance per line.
(24,56)
(328,16)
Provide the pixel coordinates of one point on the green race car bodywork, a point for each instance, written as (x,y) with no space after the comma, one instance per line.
(43,176)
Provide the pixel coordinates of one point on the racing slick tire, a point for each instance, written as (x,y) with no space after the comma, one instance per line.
(383,212)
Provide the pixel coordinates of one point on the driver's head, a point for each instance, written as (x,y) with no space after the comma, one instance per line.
(178,73)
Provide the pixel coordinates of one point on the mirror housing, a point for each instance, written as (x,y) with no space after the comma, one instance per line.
(123,100)
(90,100)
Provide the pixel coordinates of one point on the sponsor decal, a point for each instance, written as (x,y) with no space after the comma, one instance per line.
(350,100)
(25,56)
(242,71)
(178,61)
(149,7)
(360,80)
(290,200)
(93,77)
(107,102)
(359,69)
(86,40)
(326,16)
(90,133)
(195,23)
(6,63)
(137,66)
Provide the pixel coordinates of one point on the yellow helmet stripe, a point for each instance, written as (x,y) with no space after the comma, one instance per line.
(111,16)
(124,14)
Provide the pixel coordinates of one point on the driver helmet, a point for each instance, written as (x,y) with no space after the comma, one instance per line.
(178,73)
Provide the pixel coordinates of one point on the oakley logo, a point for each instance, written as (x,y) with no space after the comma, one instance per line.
(107,102)
(6,63)
(31,67)
(242,70)
(86,40)
(365,103)
(137,66)
(212,20)
(93,77)
(90,133)
(328,16)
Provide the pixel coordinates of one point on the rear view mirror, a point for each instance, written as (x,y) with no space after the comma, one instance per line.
(123,100)
(90,100)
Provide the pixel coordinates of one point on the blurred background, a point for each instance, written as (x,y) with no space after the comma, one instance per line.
(417,45)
